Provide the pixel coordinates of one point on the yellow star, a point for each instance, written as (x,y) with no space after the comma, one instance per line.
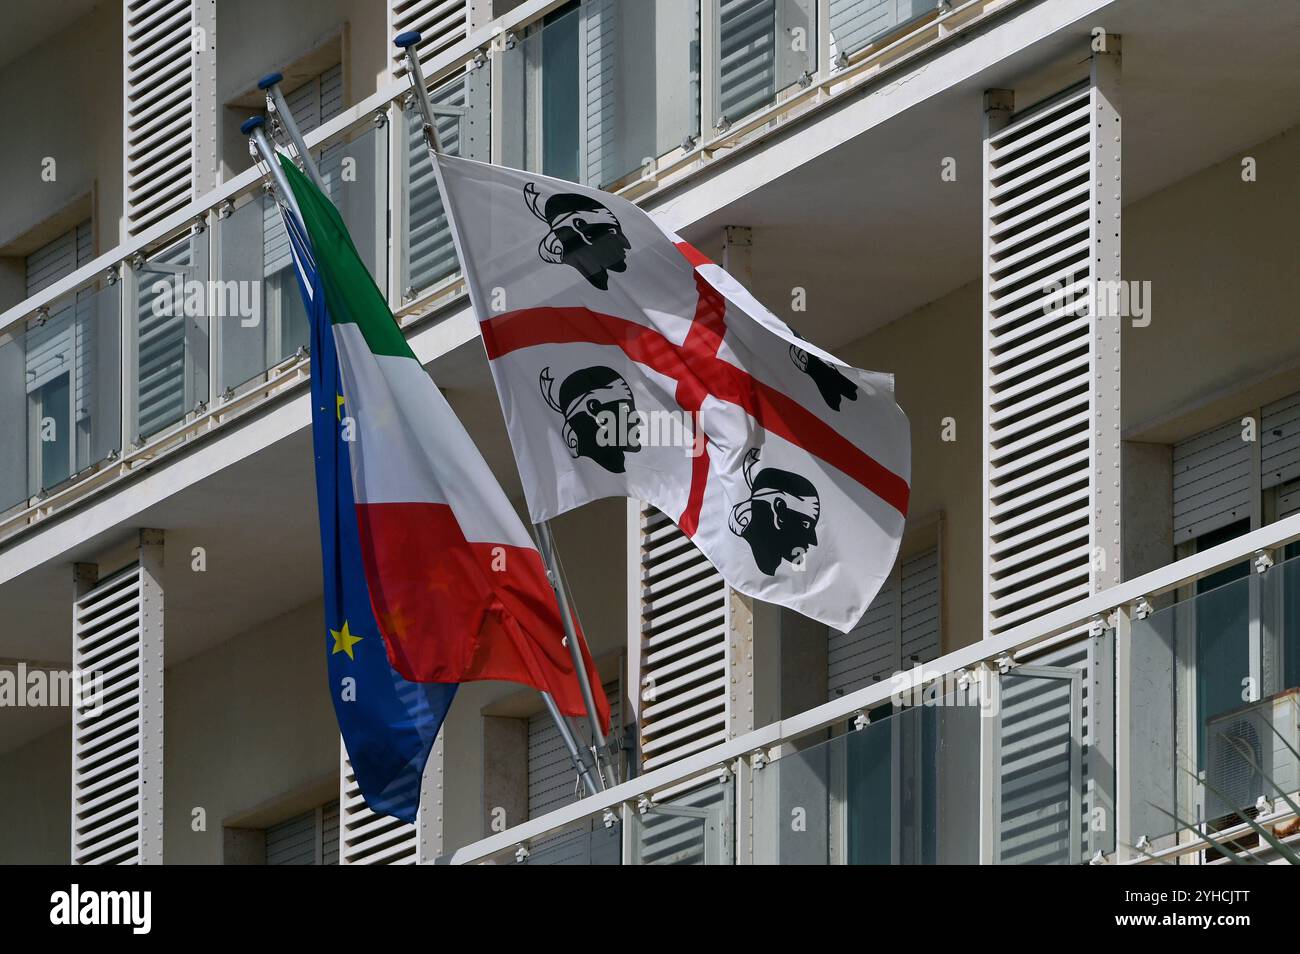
(344,640)
(338,406)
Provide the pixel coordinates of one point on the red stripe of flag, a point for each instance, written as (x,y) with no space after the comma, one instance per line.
(773,410)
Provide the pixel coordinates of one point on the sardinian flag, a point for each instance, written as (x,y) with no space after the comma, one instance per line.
(628,364)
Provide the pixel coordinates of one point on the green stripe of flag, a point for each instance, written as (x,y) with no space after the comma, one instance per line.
(350,291)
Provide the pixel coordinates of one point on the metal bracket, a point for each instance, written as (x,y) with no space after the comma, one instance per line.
(1142,844)
(724,774)
(609,818)
(1263,561)
(380,118)
(689,143)
(861,721)
(722,125)
(805,79)
(226,210)
(758,760)
(480,59)
(1096,626)
(644,804)
(1098,858)
(1004,663)
(110,274)
(1264,805)
(1142,608)
(842,60)
(521,853)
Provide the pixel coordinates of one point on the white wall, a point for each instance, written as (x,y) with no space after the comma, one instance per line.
(63,100)
(245,724)
(36,795)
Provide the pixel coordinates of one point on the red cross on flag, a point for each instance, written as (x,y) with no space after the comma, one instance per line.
(629,365)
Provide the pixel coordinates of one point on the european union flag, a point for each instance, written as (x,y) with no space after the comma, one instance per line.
(388,724)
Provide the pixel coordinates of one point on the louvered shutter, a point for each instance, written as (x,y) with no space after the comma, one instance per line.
(164,375)
(747,56)
(1040,766)
(366,838)
(293,842)
(430,252)
(330,834)
(52,345)
(441,23)
(598,47)
(869,652)
(57,259)
(1280,441)
(166,148)
(900,629)
(1212,481)
(683,647)
(117,746)
(1051,414)
(855,23)
(921,611)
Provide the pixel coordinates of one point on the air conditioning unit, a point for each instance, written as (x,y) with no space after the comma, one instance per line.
(1247,755)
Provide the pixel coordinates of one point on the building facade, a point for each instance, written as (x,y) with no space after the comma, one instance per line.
(1065,226)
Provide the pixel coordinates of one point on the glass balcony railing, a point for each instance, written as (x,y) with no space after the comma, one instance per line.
(610,93)
(60,396)
(693,827)
(257,311)
(598,92)
(168,338)
(692,823)
(1216,679)
(428,255)
(903,789)
(857,23)
(764,48)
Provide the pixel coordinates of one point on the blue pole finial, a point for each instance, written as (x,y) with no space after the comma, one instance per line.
(407,39)
(251,123)
(269,80)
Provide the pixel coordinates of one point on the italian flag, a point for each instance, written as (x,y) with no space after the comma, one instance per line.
(458,588)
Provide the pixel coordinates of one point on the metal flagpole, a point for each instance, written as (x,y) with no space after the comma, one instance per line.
(551,558)
(275,103)
(409,42)
(255,129)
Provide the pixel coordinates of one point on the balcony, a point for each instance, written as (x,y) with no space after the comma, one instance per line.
(1062,741)
(193,324)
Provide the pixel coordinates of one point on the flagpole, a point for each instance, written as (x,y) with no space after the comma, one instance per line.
(255,129)
(275,103)
(550,557)
(408,42)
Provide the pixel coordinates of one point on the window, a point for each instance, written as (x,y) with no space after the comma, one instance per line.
(900,629)
(311,838)
(55,360)
(889,771)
